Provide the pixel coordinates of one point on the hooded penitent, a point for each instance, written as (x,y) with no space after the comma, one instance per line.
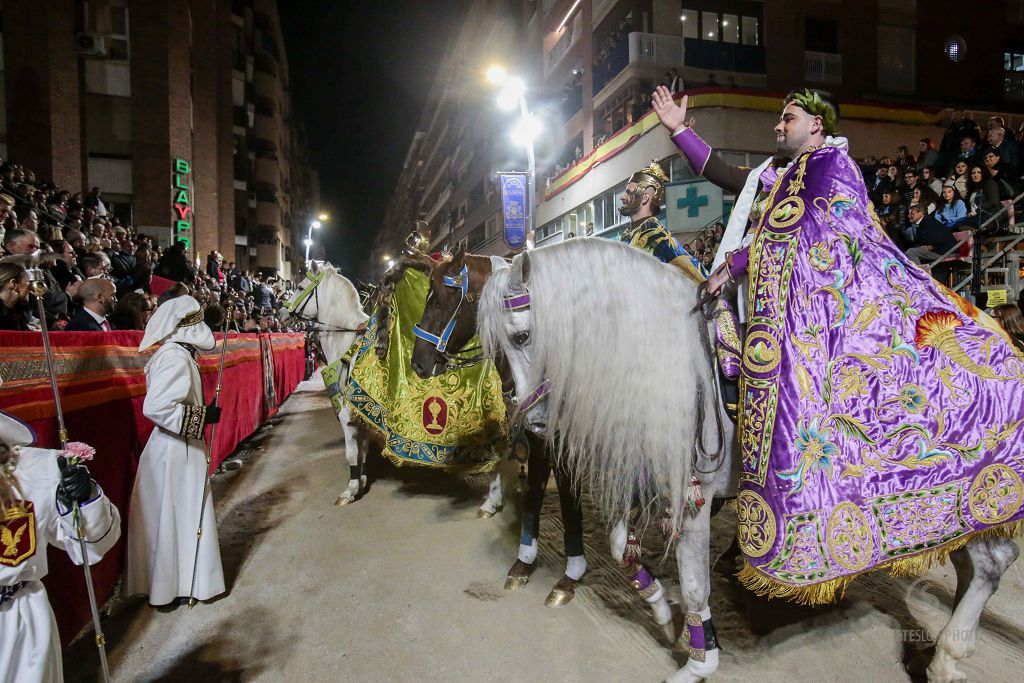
(178,320)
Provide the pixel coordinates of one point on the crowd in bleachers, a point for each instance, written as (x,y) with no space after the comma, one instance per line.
(101,274)
(960,185)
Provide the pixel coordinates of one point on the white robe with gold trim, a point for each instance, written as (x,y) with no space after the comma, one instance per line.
(164,514)
(29,642)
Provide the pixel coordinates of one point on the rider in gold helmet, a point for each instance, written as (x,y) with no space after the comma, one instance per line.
(641,203)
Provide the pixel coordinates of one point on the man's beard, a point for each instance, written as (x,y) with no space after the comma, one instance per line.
(630,209)
(784,149)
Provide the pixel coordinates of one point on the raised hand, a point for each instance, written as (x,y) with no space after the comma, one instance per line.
(672,115)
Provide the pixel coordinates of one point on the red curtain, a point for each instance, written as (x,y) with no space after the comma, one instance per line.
(101,376)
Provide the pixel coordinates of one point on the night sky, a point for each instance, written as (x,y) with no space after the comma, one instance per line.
(360,75)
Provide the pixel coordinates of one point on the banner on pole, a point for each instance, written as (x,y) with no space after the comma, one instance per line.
(513,208)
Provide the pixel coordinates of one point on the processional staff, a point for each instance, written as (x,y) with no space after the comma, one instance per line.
(209,460)
(37,283)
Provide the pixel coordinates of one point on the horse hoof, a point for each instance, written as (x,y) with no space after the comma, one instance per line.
(487,514)
(343,500)
(518,575)
(563,592)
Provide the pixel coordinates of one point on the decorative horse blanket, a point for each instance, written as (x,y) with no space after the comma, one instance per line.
(881,416)
(455,420)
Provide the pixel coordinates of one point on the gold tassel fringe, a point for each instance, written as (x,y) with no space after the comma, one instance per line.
(829,591)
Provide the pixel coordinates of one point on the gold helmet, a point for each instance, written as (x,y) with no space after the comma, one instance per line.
(417,243)
(653,177)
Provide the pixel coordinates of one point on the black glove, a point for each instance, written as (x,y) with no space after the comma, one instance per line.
(212,414)
(76,484)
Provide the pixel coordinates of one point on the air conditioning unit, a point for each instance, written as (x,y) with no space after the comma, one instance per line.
(93,44)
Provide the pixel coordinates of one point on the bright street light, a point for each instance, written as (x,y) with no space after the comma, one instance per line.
(314,225)
(497,74)
(511,93)
(526,131)
(323,217)
(391,264)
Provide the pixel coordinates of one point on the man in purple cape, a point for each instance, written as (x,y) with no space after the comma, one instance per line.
(881,416)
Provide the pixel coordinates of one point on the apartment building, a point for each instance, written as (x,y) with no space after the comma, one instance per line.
(897,67)
(179,111)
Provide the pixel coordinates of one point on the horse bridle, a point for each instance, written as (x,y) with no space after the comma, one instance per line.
(311,292)
(521,302)
(458,359)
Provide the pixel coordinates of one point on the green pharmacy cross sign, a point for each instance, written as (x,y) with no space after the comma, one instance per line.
(182,190)
(692,202)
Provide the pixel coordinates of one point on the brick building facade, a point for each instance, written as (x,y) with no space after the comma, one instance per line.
(114,94)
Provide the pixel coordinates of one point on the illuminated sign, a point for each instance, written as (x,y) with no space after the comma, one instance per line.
(182,191)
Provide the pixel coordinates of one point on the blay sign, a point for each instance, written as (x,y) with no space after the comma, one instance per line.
(182,190)
(513,208)
(691,205)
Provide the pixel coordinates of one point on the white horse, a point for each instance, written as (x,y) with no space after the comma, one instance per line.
(610,330)
(632,394)
(329,299)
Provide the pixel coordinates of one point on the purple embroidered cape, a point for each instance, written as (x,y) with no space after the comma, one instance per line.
(882,416)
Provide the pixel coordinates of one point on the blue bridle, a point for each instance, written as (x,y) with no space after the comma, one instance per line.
(440,342)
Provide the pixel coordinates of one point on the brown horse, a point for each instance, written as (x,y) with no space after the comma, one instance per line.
(447,328)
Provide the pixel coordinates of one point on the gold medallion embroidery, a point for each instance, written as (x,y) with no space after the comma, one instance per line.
(756,528)
(849,538)
(996,494)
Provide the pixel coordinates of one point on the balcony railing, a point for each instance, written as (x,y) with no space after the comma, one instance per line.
(267,128)
(268,172)
(655,49)
(266,85)
(268,214)
(269,256)
(823,67)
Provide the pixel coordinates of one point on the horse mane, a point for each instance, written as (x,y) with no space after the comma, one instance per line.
(614,334)
(345,308)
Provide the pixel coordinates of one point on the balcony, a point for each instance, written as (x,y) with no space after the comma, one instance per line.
(714,55)
(266,85)
(1013,85)
(269,256)
(267,172)
(267,128)
(823,67)
(650,54)
(268,214)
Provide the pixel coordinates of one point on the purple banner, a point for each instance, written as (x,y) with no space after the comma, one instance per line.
(513,208)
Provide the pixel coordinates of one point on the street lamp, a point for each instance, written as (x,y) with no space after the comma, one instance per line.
(315,225)
(513,92)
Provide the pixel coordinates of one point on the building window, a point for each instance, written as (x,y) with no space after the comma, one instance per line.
(897,50)
(691,23)
(749,32)
(106,25)
(1013,75)
(821,35)
(730,28)
(710,25)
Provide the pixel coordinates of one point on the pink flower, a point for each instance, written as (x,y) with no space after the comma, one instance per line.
(78,451)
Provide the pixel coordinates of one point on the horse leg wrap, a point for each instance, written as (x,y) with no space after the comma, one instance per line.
(528,538)
(646,584)
(703,658)
(353,472)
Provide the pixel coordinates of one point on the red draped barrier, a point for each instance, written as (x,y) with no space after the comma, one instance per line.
(102,384)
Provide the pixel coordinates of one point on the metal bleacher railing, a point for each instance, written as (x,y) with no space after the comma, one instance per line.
(1002,232)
